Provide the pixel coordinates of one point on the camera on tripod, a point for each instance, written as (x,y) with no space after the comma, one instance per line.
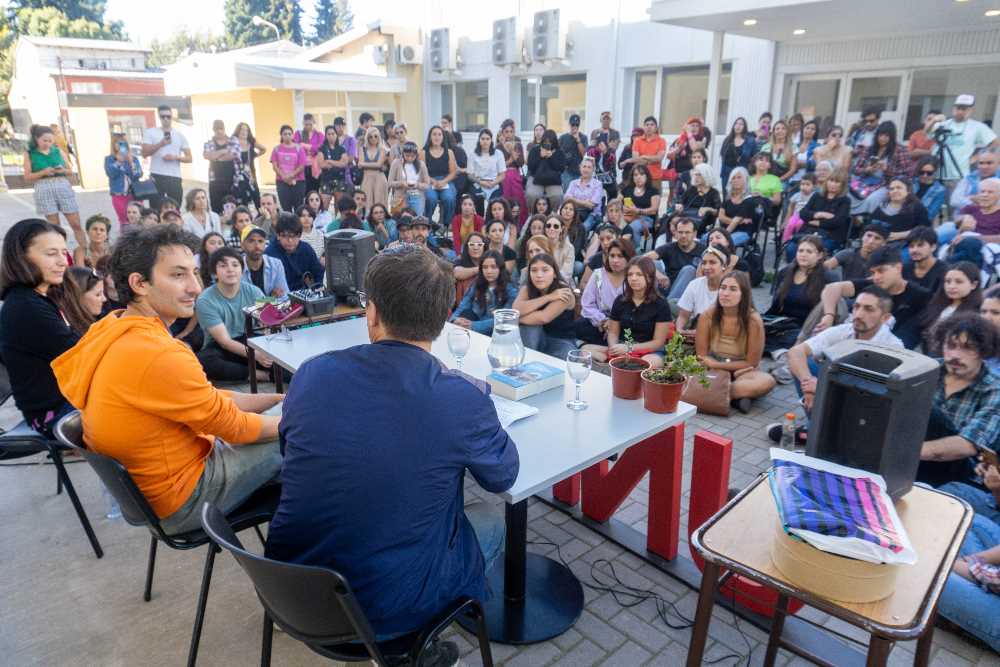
(941,133)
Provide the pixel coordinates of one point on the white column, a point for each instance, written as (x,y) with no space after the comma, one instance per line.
(714,83)
(298,106)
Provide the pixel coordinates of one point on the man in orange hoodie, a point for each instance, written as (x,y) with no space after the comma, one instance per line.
(146,401)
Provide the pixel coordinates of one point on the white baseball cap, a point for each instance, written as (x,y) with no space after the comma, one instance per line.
(965,100)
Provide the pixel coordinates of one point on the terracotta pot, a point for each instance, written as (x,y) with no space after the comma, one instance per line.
(661,398)
(627,383)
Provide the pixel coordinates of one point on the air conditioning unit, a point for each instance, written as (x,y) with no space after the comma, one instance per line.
(378,54)
(409,54)
(506,50)
(442,51)
(548,36)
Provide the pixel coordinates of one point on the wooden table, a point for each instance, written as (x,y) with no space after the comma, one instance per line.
(253,325)
(738,538)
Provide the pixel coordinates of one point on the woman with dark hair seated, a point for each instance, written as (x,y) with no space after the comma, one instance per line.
(84,297)
(33,330)
(827,215)
(467,265)
(493,289)
(730,339)
(960,292)
(640,311)
(604,286)
(546,305)
(901,211)
(797,290)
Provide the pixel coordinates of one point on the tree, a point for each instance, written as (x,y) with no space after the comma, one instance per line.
(287,15)
(333,17)
(241,32)
(71,18)
(90,10)
(182,42)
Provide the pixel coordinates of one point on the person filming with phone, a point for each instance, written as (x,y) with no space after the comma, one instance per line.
(167,148)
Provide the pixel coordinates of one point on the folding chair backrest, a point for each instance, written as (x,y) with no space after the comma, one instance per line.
(312,604)
(135,508)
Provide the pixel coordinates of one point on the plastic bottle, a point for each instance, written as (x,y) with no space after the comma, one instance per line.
(114,510)
(788,431)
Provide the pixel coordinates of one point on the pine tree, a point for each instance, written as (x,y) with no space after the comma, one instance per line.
(287,15)
(333,17)
(240,30)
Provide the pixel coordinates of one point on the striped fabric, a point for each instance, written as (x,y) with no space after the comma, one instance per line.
(831,504)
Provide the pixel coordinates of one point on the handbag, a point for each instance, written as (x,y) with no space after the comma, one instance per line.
(710,400)
(144,189)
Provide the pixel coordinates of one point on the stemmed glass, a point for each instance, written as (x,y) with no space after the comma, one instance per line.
(458,344)
(578,363)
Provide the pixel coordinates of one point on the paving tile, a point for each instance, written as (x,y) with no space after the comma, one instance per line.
(942,657)
(629,655)
(599,632)
(584,654)
(639,630)
(568,639)
(535,655)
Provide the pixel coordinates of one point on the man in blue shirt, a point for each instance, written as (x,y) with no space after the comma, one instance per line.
(264,271)
(302,266)
(374,489)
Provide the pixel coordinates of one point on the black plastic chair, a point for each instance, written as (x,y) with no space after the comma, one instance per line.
(136,510)
(316,606)
(22,440)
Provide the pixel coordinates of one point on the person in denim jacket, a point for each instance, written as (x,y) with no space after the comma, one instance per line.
(493,289)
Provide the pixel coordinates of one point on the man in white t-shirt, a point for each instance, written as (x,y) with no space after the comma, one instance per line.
(166,148)
(966,135)
(870,321)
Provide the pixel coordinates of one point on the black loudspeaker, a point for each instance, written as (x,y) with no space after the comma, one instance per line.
(348,252)
(871,410)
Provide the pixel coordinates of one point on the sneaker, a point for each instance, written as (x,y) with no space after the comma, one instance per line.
(440,654)
(783,375)
(773,432)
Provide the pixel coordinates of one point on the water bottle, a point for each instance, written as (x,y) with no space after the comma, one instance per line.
(114,510)
(788,432)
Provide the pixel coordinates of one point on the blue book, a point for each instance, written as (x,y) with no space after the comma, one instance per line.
(525,380)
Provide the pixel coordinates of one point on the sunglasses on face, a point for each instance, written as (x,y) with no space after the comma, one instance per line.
(924,172)
(166,117)
(553,226)
(476,244)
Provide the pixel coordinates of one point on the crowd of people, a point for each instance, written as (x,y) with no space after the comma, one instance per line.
(594,241)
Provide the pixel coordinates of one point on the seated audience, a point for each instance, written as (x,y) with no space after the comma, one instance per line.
(908,299)
(599,242)
(702,292)
(702,200)
(797,289)
(587,194)
(827,214)
(220,314)
(412,549)
(681,257)
(241,220)
(420,231)
(987,162)
(737,215)
(494,288)
(877,165)
(853,262)
(730,339)
(965,414)
(614,215)
(347,216)
(313,237)
(923,269)
(927,187)
(640,203)
(267,273)
(575,233)
(210,242)
(641,311)
(762,182)
(792,224)
(98,230)
(981,217)
(465,221)
(83,297)
(990,309)
(546,305)
(503,211)
(198,218)
(901,211)
(33,330)
(604,286)
(969,598)
(302,266)
(145,400)
(467,264)
(870,313)
(563,251)
(494,233)
(959,293)
(535,226)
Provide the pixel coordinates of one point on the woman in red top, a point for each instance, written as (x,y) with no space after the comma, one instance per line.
(466,222)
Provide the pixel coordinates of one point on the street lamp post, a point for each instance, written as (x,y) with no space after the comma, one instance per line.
(260,20)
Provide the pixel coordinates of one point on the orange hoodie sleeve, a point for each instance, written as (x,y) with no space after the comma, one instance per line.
(189,398)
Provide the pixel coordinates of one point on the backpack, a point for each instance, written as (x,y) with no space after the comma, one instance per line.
(754,258)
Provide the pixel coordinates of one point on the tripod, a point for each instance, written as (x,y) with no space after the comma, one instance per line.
(944,154)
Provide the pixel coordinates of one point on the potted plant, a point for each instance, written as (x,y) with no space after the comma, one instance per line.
(662,387)
(626,380)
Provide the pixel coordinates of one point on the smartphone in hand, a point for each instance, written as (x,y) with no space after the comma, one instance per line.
(989,457)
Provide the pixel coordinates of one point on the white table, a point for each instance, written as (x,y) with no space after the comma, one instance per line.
(541,597)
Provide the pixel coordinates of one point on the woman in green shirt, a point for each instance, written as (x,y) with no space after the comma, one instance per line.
(762,182)
(46,168)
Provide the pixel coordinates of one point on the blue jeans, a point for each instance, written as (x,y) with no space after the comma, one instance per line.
(643,222)
(446,198)
(231,475)
(592,221)
(416,202)
(982,501)
(535,338)
(964,602)
(946,232)
(814,369)
(566,179)
(684,277)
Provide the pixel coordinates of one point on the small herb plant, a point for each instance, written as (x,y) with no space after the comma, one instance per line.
(628,362)
(678,366)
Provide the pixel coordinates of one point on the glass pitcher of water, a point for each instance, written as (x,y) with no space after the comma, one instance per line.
(506,349)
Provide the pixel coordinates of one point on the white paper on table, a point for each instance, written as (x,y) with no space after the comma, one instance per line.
(509,411)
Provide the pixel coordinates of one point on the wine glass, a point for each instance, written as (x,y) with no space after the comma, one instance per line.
(458,344)
(578,363)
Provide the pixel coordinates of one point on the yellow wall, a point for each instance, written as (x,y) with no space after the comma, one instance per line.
(232,108)
(93,141)
(272,109)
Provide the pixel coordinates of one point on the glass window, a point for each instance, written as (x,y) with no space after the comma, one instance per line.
(645,96)
(529,100)
(936,90)
(684,93)
(447,99)
(471,105)
(877,91)
(818,99)
(561,97)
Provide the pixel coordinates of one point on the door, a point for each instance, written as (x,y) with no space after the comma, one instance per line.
(816,97)
(882,90)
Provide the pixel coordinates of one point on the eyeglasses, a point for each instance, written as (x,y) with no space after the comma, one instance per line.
(836,134)
(926,172)
(552,225)
(166,117)
(476,244)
